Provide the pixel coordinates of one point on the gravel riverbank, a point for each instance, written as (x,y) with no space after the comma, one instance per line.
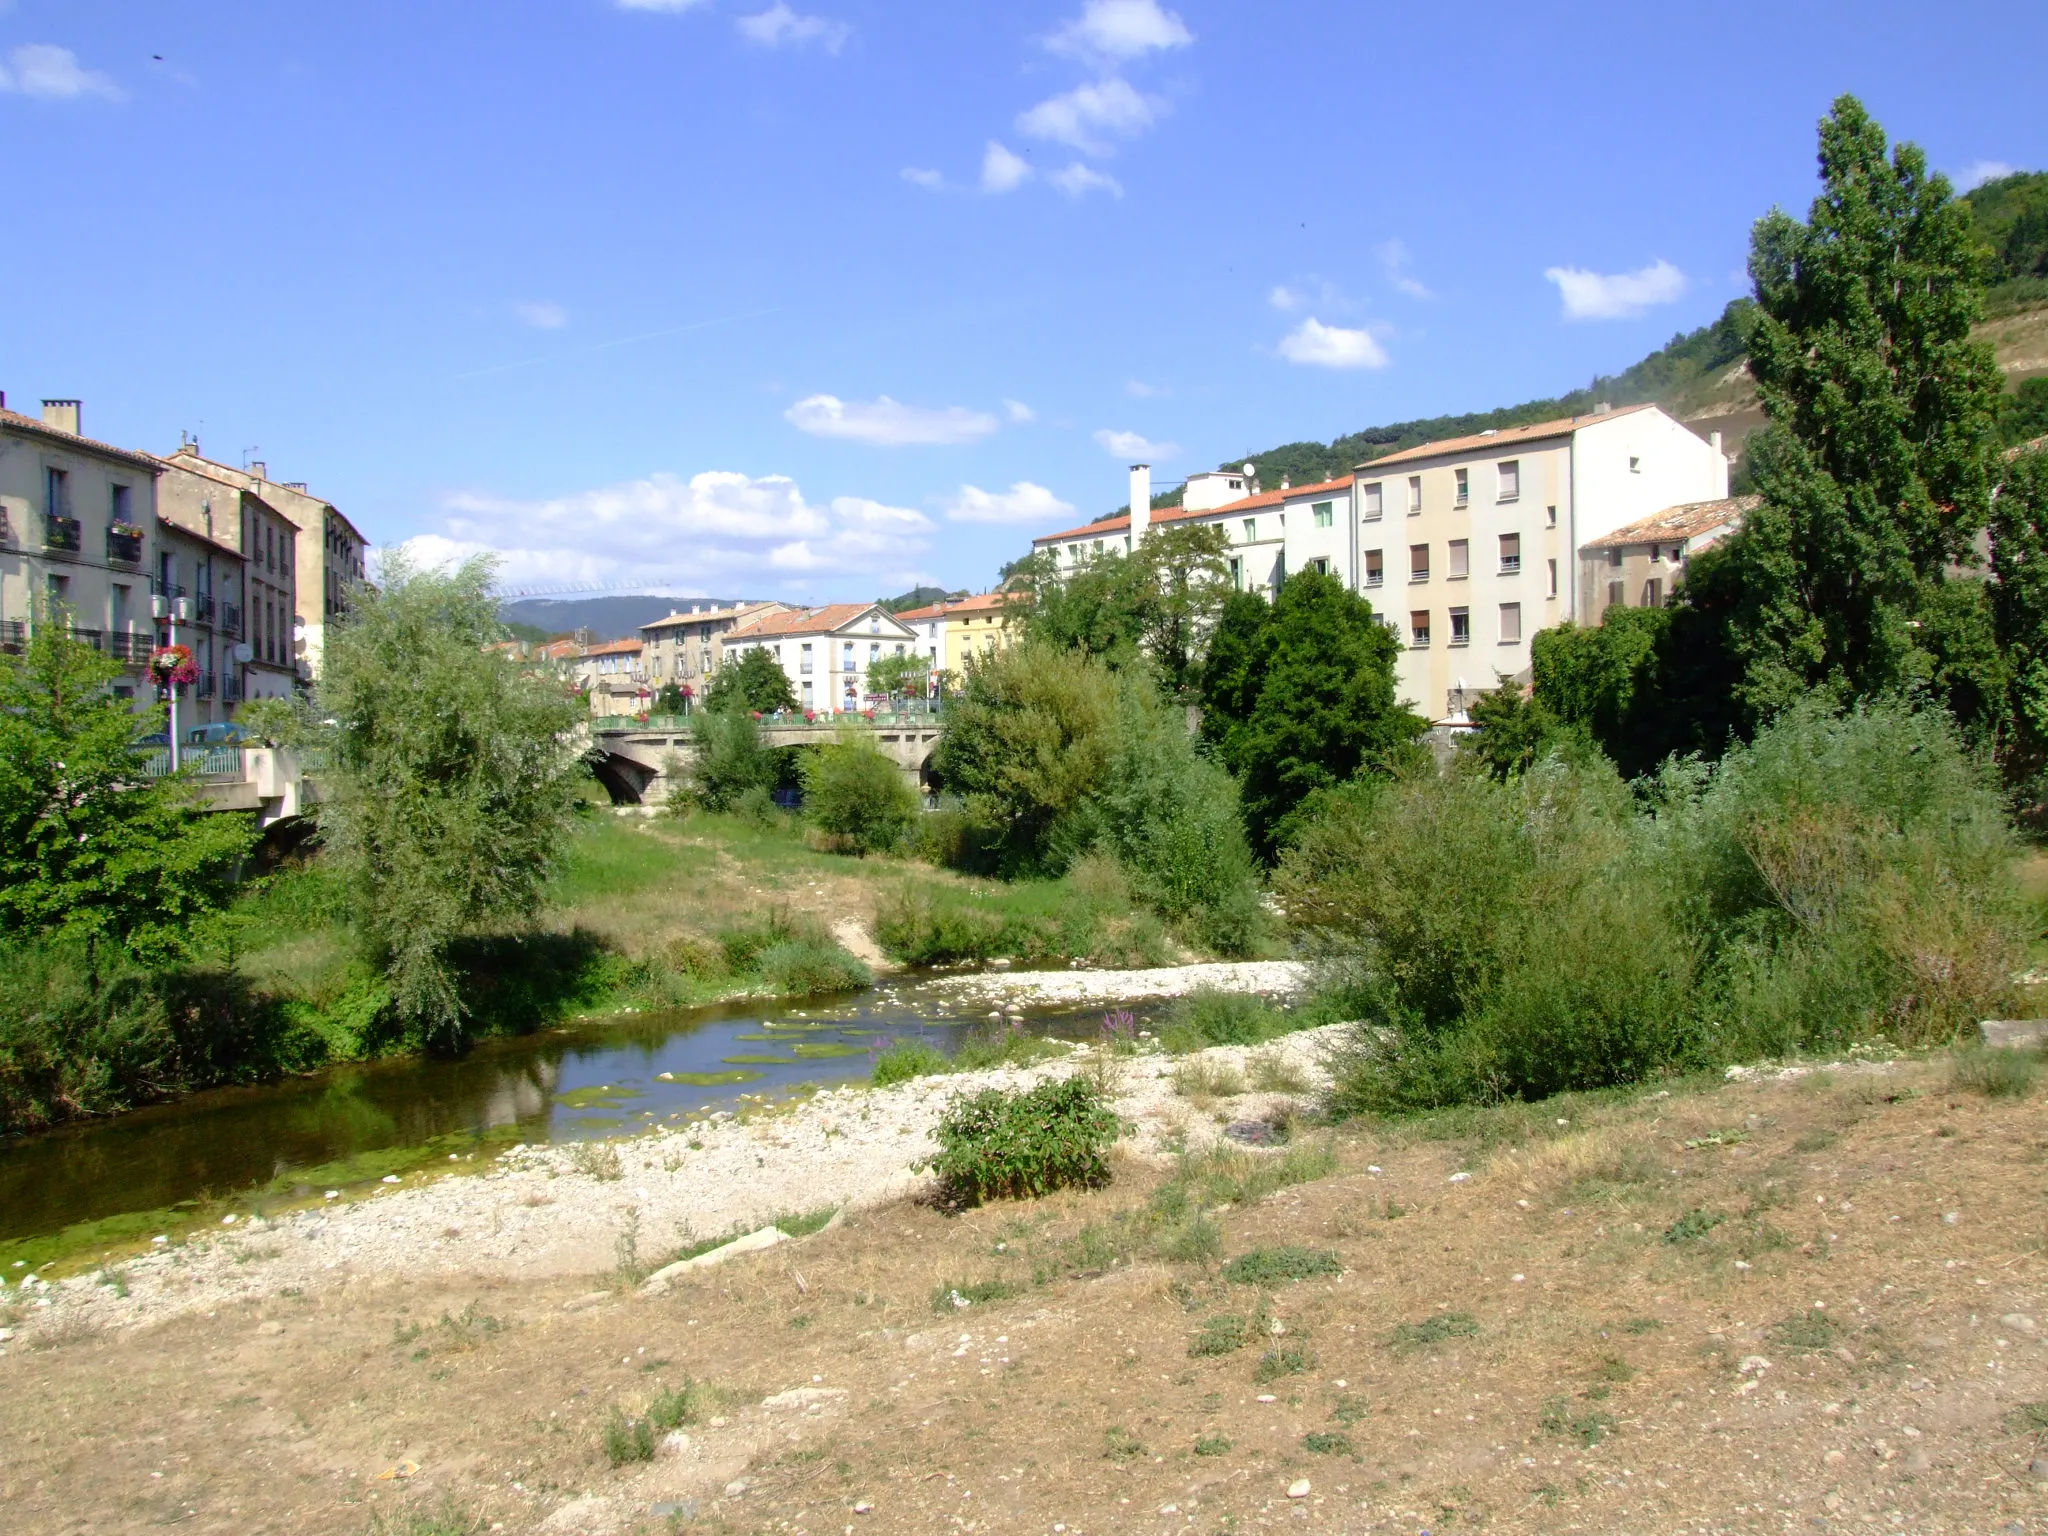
(595,1208)
(1268,978)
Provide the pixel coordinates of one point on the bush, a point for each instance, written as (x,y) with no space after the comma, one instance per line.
(731,765)
(1277,1266)
(856,794)
(1014,1145)
(811,967)
(1207,1016)
(900,1060)
(1997,1074)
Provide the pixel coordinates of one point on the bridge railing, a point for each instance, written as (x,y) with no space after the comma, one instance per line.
(214,762)
(680,725)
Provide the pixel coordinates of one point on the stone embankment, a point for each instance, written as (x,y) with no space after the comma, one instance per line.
(615,1209)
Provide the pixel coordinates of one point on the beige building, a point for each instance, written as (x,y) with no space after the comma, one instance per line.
(254,604)
(1641,563)
(77,537)
(612,677)
(328,552)
(685,648)
(199,579)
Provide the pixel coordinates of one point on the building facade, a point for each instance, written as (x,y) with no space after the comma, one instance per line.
(77,538)
(612,677)
(948,634)
(685,648)
(826,652)
(1639,564)
(253,604)
(328,551)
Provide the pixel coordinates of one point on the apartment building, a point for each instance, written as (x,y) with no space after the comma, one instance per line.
(251,603)
(686,647)
(612,677)
(949,633)
(1639,564)
(328,552)
(826,652)
(77,537)
(200,578)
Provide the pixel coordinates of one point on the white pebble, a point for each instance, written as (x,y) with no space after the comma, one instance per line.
(1298,1489)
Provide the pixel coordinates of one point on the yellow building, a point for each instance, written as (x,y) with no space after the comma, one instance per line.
(948,633)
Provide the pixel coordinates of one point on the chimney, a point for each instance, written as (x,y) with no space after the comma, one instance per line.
(1602,408)
(1720,463)
(259,469)
(1141,502)
(63,415)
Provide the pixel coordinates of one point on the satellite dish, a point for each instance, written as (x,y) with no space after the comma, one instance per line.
(1250,470)
(244,653)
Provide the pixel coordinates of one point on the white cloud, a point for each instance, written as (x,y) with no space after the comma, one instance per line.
(1002,171)
(542,317)
(779,26)
(1978,172)
(1393,255)
(1023,502)
(1018,411)
(1138,389)
(709,534)
(1331,346)
(1083,115)
(1120,29)
(931,181)
(53,74)
(887,423)
(1078,180)
(1615,296)
(1284,298)
(1132,445)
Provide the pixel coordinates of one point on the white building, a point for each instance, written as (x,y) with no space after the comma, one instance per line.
(826,652)
(1465,547)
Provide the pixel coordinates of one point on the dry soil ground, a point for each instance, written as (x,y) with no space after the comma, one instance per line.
(1810,1305)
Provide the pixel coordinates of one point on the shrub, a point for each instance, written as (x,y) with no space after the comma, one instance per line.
(627,1440)
(992,1046)
(811,967)
(1283,1360)
(1221,1335)
(1208,1016)
(1014,1145)
(1277,1266)
(855,793)
(900,1060)
(1434,1330)
(730,760)
(1997,1074)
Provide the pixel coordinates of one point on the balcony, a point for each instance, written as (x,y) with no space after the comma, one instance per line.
(124,546)
(1375,578)
(91,637)
(231,687)
(124,645)
(1511,565)
(60,534)
(13,636)
(203,689)
(202,609)
(230,620)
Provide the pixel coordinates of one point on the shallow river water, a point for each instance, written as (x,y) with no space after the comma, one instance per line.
(347,1124)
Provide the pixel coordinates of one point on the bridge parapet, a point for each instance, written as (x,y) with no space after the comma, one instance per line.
(633,757)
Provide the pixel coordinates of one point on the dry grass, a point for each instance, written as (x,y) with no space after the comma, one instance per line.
(1557,1341)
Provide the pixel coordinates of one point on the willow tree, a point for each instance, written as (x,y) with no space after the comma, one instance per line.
(452,777)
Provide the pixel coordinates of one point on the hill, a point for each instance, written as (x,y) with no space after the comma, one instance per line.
(1699,376)
(607,618)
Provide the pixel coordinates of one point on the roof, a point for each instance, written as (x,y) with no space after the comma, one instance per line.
(1122,522)
(737,611)
(1504,436)
(188,456)
(1687,520)
(2034,446)
(982,602)
(558,650)
(15,421)
(806,621)
(610,648)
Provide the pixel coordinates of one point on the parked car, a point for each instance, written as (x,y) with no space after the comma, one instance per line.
(222,733)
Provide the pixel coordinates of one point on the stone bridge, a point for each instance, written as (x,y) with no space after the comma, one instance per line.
(631,757)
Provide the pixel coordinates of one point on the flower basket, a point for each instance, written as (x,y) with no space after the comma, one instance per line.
(172,665)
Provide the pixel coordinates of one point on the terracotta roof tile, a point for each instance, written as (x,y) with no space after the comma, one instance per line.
(33,424)
(1272,498)
(1687,520)
(1506,436)
(803,621)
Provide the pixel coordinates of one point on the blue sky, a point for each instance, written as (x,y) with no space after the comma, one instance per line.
(816,298)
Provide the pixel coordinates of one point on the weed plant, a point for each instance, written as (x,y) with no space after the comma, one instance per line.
(898,1061)
(1291,1359)
(1016,1145)
(1206,1017)
(1279,1266)
(1997,1074)
(1439,1329)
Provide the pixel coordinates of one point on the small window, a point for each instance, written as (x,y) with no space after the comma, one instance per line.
(1461,626)
(1510,623)
(1656,554)
(1237,575)
(1375,568)
(56,492)
(805,664)
(1510,553)
(1614,556)
(120,506)
(1325,513)
(1461,559)
(1251,530)
(1550,516)
(1418,628)
(1418,562)
(1414,495)
(1553,578)
(1653,592)
(1464,486)
(1511,480)
(1372,500)
(1320,565)
(1614,594)
(1635,465)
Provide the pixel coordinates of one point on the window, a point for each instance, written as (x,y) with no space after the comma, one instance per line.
(1418,628)
(1510,553)
(120,505)
(807,691)
(56,492)
(899,650)
(1237,575)
(1550,516)
(1510,623)
(1553,578)
(1418,562)
(1325,513)
(1511,480)
(1098,546)
(1656,554)
(1461,626)
(805,664)
(1614,594)
(1464,477)
(1372,501)
(1635,465)
(1614,556)
(1321,565)
(1461,559)
(1653,592)
(846,656)
(1375,568)
(874,652)
(1414,495)
(1251,529)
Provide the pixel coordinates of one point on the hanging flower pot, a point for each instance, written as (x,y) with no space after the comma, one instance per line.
(171,665)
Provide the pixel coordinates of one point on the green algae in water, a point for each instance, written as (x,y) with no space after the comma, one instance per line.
(710,1079)
(596,1098)
(825,1048)
(754,1039)
(757,1061)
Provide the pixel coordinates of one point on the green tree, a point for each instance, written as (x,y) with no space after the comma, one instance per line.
(670,699)
(2023,414)
(452,779)
(853,791)
(1096,608)
(1512,729)
(729,759)
(2019,605)
(90,850)
(1184,582)
(901,676)
(1873,471)
(753,681)
(1300,697)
